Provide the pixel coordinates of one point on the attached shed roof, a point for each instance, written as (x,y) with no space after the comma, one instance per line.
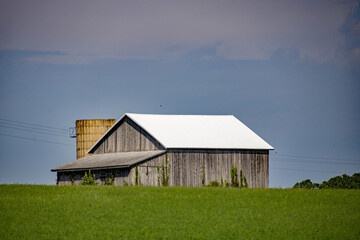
(197,131)
(107,160)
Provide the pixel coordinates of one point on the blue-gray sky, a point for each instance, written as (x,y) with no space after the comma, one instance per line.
(289,70)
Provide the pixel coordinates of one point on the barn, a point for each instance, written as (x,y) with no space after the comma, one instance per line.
(174,150)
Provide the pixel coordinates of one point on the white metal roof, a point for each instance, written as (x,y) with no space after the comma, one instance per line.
(198,131)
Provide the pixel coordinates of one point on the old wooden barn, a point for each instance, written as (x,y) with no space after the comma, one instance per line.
(181,150)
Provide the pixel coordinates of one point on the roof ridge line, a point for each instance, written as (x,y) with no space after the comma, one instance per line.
(163,114)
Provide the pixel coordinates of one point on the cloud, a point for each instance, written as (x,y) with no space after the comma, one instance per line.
(351,31)
(168,29)
(17,56)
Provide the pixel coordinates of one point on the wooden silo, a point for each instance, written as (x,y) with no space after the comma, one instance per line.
(88,132)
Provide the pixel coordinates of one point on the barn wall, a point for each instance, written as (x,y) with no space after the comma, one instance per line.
(148,174)
(185,168)
(127,137)
(75,178)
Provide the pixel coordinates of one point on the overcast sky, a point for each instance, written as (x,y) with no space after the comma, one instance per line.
(289,70)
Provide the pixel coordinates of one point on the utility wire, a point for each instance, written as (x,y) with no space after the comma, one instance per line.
(35,128)
(32,124)
(34,139)
(310,157)
(304,170)
(314,161)
(35,131)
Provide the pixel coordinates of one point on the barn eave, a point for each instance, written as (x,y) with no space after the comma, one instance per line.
(108,161)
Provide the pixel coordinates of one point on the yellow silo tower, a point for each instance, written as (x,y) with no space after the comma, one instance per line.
(88,132)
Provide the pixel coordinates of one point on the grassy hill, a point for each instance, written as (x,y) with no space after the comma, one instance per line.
(108,212)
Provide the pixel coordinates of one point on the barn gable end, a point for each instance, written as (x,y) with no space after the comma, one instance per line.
(126,136)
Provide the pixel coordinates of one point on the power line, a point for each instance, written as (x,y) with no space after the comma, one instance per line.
(32,124)
(35,128)
(304,170)
(310,157)
(34,139)
(35,131)
(39,127)
(314,161)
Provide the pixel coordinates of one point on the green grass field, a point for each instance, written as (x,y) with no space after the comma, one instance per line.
(107,212)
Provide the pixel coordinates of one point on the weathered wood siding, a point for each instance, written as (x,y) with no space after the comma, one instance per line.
(148,174)
(127,137)
(186,168)
(75,178)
